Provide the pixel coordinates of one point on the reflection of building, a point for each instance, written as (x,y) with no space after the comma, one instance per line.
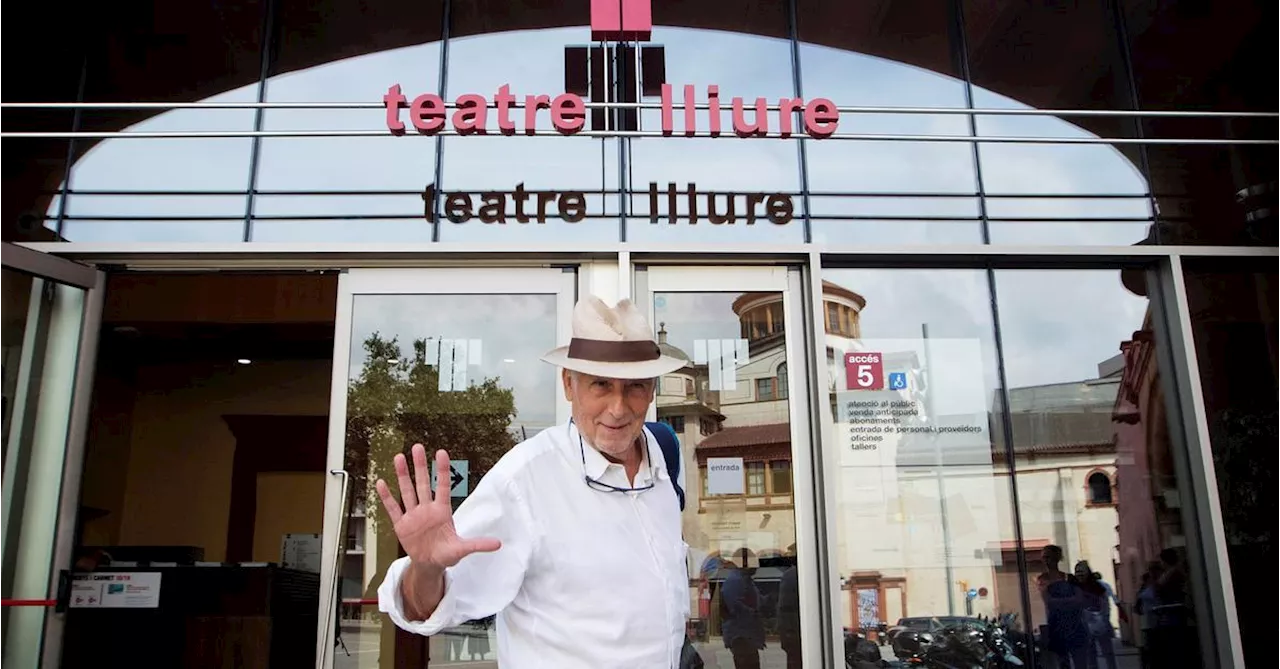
(1065,458)
(912,530)
(1151,520)
(734,404)
(926,515)
(686,402)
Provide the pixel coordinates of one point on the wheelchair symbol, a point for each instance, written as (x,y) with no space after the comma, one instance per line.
(897,380)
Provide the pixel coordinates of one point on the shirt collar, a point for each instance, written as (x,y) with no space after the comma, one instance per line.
(597,466)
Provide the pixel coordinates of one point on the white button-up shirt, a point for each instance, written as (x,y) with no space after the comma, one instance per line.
(584,578)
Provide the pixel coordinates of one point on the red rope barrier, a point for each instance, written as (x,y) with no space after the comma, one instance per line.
(28,602)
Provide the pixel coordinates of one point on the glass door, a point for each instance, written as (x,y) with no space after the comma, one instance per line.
(51,312)
(740,408)
(444,357)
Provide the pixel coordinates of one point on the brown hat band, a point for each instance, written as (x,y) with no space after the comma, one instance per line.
(613,351)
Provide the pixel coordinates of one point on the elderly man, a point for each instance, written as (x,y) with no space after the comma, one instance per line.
(573,538)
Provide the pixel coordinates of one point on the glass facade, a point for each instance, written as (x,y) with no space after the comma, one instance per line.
(1062,404)
(1054,183)
(974,466)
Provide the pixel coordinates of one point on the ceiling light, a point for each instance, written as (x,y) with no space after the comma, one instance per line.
(508,360)
(244,361)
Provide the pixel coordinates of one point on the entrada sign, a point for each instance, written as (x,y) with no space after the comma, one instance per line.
(568,114)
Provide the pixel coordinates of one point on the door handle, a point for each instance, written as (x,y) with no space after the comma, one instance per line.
(335,606)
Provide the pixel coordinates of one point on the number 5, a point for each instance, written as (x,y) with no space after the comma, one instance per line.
(864,376)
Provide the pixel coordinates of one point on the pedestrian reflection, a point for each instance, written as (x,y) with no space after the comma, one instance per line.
(789,611)
(740,603)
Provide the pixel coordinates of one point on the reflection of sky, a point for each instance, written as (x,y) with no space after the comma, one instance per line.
(515,330)
(1056,325)
(741,65)
(692,316)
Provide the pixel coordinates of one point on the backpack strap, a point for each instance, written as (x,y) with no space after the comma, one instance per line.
(670,446)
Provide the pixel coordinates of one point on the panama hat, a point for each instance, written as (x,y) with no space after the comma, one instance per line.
(614,343)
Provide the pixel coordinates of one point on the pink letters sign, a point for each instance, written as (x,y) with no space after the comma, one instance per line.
(611,20)
(427,114)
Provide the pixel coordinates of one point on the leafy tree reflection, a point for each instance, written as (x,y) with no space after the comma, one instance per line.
(396,402)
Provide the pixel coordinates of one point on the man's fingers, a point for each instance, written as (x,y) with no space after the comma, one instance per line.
(407,494)
(421,474)
(444,482)
(389,502)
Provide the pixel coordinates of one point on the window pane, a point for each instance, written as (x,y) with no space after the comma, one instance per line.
(1086,395)
(738,435)
(1099,488)
(895,54)
(150,190)
(764,389)
(780,471)
(347,188)
(158,185)
(42,325)
(565,170)
(1233,323)
(1215,194)
(1054,193)
(755,478)
(449,371)
(30,197)
(721,175)
(912,452)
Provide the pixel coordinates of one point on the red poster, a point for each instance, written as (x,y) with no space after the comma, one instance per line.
(864,371)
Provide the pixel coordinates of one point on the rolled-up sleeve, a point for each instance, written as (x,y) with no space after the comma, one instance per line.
(482,584)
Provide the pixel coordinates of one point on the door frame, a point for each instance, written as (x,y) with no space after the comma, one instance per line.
(48,269)
(788,280)
(505,280)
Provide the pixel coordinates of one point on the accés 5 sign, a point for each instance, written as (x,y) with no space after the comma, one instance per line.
(864,370)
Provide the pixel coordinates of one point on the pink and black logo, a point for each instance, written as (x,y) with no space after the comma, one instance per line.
(616,71)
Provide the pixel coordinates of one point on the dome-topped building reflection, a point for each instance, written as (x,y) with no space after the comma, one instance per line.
(731,401)
(688,398)
(684,399)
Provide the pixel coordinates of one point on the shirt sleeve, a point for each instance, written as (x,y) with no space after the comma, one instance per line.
(482,584)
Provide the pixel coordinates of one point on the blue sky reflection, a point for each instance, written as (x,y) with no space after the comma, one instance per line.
(742,65)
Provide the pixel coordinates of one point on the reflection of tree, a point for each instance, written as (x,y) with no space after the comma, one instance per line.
(396,402)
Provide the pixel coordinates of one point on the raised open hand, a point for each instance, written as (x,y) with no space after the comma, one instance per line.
(424,526)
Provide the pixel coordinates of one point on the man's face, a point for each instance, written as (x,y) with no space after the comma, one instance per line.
(609,413)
